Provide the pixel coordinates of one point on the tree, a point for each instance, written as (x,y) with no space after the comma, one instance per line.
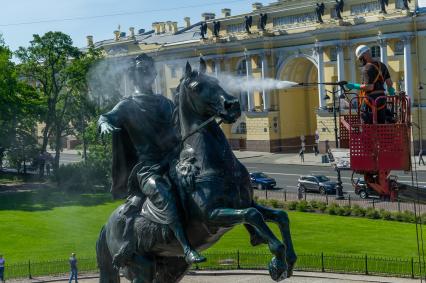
(84,107)
(48,64)
(19,107)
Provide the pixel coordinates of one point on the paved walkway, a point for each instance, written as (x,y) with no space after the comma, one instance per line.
(252,276)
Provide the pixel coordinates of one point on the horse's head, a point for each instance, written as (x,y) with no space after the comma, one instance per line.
(204,96)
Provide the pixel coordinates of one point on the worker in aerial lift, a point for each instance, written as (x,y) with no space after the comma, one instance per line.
(375,75)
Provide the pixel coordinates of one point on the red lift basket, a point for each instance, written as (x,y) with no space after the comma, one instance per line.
(379,147)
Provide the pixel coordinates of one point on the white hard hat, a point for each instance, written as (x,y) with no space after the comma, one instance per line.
(361,50)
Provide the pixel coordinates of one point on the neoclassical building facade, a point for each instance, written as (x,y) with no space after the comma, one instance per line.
(293,45)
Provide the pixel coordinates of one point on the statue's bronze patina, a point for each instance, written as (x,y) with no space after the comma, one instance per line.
(177,169)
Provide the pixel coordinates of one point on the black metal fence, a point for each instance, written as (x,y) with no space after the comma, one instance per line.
(284,195)
(230,260)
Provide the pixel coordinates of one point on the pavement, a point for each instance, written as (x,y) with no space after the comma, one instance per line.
(248,276)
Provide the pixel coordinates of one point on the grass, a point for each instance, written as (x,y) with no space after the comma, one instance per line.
(49,225)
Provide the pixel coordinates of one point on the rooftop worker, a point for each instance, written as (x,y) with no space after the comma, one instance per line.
(375,76)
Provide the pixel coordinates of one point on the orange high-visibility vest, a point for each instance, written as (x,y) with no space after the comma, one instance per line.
(363,97)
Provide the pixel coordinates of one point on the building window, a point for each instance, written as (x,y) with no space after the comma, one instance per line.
(242,128)
(364,8)
(333,53)
(242,72)
(236,28)
(375,51)
(294,19)
(399,48)
(173,72)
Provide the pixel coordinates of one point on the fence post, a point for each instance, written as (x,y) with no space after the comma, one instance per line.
(366,265)
(29,270)
(373,204)
(326,198)
(399,206)
(285,195)
(412,268)
(238,259)
(305,193)
(349,199)
(266,192)
(322,262)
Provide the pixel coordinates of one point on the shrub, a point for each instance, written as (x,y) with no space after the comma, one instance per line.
(333,208)
(275,203)
(398,216)
(409,216)
(303,206)
(322,206)
(314,204)
(358,211)
(423,218)
(292,205)
(262,202)
(372,213)
(344,210)
(384,214)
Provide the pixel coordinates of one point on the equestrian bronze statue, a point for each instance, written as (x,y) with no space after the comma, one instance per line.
(184,186)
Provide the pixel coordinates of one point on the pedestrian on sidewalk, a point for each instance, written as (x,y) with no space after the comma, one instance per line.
(2,262)
(73,266)
(421,157)
(302,155)
(316,145)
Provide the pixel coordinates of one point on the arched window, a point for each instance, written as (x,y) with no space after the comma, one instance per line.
(375,51)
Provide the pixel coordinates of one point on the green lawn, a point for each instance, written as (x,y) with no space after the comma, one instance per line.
(49,226)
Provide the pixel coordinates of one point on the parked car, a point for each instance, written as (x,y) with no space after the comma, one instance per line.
(262,181)
(317,183)
(362,189)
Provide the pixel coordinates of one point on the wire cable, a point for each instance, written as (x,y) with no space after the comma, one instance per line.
(119,14)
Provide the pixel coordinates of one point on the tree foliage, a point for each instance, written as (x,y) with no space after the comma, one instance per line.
(58,70)
(19,109)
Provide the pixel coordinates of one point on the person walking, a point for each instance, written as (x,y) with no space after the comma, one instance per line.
(421,157)
(2,262)
(73,266)
(302,155)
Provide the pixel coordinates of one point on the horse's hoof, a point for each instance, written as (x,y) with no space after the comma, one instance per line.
(278,269)
(194,257)
(291,264)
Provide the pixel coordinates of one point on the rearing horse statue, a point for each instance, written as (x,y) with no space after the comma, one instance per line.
(218,197)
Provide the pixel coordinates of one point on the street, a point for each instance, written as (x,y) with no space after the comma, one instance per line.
(287,175)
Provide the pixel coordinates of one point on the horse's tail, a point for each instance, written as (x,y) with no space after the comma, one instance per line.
(107,273)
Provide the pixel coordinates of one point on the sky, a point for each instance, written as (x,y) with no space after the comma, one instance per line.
(20,19)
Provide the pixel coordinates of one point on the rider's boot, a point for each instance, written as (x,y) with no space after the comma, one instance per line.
(191,255)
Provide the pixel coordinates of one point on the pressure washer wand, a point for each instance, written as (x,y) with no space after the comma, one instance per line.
(341,83)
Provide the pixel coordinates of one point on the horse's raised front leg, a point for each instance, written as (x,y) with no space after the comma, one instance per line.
(278,267)
(280,217)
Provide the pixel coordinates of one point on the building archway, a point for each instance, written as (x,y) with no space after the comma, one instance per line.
(297,105)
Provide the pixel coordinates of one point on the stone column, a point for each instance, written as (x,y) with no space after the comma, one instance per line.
(408,71)
(340,64)
(321,88)
(265,93)
(250,98)
(383,50)
(353,62)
